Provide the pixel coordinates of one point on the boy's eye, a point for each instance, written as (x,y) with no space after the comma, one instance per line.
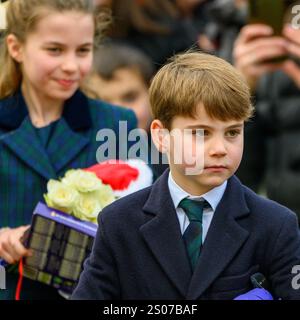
(233,133)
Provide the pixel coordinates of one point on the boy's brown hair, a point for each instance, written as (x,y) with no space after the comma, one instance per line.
(192,78)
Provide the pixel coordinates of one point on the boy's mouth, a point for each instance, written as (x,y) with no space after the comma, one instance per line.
(216,168)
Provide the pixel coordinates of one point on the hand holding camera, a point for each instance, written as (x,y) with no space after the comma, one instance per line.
(290,66)
(269,42)
(254,50)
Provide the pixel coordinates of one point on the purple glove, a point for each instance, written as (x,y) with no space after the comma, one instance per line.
(255,294)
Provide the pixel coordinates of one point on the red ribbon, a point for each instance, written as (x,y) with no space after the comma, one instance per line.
(20,280)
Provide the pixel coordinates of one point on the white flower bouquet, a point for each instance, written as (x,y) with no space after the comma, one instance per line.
(79,193)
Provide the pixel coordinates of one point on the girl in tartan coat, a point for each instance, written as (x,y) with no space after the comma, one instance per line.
(47,125)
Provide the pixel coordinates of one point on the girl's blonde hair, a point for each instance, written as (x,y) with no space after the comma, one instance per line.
(22,17)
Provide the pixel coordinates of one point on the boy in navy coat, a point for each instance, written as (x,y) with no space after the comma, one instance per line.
(197,233)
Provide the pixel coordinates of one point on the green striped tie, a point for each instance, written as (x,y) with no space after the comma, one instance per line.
(193,233)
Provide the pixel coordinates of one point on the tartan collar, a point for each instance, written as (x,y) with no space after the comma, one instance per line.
(13,111)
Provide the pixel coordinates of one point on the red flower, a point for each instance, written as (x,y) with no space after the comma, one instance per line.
(118,174)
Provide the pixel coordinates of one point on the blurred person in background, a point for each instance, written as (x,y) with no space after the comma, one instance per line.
(153,26)
(222,21)
(272,140)
(121,76)
(162,28)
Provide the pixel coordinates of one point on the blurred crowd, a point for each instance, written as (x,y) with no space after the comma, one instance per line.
(145,33)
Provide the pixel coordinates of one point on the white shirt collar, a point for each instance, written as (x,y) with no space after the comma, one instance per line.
(213,197)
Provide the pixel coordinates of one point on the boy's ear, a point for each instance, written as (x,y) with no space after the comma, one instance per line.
(14,47)
(160,136)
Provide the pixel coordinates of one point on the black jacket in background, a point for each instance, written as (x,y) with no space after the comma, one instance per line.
(272,142)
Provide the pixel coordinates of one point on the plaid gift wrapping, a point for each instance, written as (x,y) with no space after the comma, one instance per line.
(60,243)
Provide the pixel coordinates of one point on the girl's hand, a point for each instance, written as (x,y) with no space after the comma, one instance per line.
(11,248)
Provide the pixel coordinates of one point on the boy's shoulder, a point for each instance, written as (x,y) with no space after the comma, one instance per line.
(127,209)
(263,212)
(265,209)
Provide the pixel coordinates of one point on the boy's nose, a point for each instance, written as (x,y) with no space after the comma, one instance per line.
(217,148)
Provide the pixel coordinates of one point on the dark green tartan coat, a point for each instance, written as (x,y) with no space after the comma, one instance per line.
(25,166)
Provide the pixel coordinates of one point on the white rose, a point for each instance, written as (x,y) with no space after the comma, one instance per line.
(106,195)
(61,196)
(82,181)
(87,207)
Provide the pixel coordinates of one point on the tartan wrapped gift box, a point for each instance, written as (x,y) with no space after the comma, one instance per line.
(60,244)
(59,237)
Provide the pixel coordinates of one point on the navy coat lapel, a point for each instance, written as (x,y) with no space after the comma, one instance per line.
(225,237)
(162,235)
(24,143)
